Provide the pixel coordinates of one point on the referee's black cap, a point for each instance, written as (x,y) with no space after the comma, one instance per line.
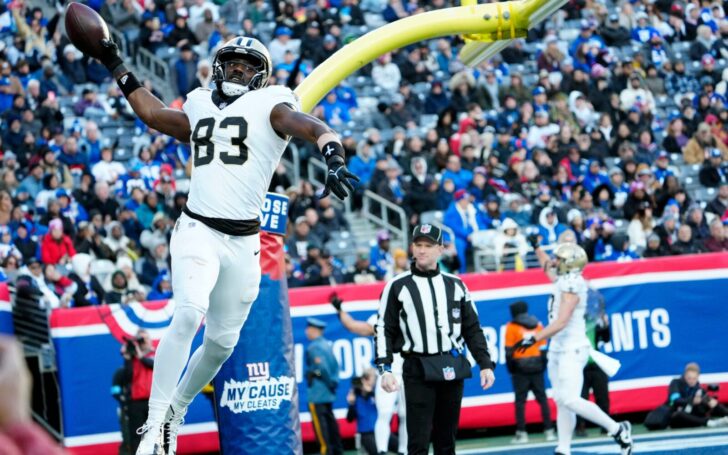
(429,232)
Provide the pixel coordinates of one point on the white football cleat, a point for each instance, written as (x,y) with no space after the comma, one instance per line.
(151,443)
(172,423)
(623,437)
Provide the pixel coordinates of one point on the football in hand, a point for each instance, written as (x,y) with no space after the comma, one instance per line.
(86,29)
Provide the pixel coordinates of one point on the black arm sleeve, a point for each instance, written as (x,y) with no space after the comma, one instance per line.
(387,328)
(473,333)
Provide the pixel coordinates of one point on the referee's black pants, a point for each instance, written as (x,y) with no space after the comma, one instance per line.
(433,411)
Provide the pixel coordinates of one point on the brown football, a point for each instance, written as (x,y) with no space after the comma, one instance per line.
(85,29)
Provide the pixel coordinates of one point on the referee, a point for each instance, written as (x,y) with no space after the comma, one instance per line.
(428,316)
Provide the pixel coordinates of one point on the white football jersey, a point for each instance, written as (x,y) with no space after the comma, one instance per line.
(235,151)
(572,336)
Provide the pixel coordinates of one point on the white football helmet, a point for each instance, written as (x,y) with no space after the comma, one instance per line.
(571,258)
(245,48)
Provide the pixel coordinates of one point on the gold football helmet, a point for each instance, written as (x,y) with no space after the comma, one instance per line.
(570,258)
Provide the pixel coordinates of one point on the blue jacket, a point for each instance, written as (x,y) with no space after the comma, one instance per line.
(380,258)
(454,221)
(322,372)
(461,179)
(364,410)
(362,169)
(156,293)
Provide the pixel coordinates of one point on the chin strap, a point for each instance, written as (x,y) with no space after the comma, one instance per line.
(231,89)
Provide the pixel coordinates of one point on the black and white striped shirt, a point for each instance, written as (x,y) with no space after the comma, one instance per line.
(428,313)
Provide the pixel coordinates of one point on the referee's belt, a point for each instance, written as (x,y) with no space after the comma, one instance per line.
(419,354)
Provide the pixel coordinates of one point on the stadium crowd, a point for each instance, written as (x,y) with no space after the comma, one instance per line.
(610,120)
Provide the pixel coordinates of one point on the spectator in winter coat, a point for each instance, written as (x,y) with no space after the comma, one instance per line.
(511,246)
(719,205)
(89,290)
(379,255)
(437,100)
(363,164)
(686,244)
(154,263)
(698,147)
(654,247)
(32,276)
(119,292)
(621,249)
(718,241)
(461,177)
(714,170)
(161,287)
(635,95)
(463,218)
(61,285)
(25,243)
(549,226)
(56,247)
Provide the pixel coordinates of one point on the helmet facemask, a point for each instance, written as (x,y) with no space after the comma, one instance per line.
(237,72)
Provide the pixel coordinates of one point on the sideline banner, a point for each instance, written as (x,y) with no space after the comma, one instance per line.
(6,311)
(664,313)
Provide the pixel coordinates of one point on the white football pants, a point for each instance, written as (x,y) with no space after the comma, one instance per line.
(387,403)
(566,373)
(215,276)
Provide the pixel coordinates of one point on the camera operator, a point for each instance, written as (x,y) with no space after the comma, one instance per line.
(693,405)
(138,354)
(363,409)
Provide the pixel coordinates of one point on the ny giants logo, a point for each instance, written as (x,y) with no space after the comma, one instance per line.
(258,371)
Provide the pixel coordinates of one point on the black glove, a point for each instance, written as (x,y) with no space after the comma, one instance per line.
(336,302)
(525,343)
(110,57)
(337,181)
(535,241)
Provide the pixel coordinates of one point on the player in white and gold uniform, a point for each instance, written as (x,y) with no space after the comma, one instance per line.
(238,132)
(569,348)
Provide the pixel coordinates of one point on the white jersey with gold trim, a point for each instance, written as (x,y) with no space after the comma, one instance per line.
(573,336)
(235,151)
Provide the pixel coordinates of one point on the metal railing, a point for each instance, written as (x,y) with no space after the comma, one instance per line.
(157,70)
(485,259)
(148,65)
(292,165)
(31,320)
(384,219)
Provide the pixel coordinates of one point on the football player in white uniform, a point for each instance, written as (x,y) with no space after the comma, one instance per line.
(387,402)
(569,348)
(238,132)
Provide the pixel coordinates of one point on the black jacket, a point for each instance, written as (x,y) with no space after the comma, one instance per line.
(80,296)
